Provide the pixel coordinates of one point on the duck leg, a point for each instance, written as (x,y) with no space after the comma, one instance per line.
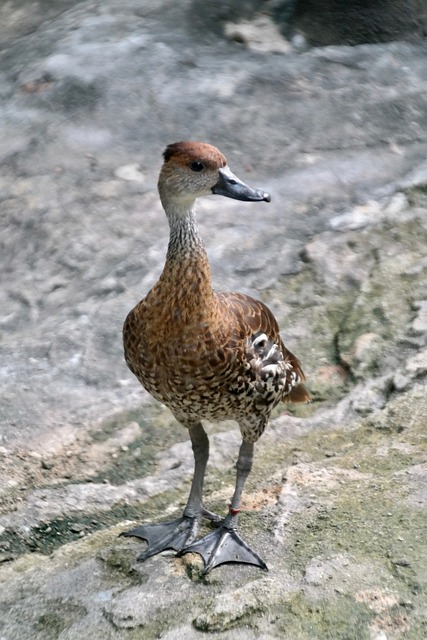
(182,531)
(225,544)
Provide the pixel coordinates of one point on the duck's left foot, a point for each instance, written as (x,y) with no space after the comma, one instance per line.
(223,545)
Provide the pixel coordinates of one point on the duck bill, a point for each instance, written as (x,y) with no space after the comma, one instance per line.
(230,186)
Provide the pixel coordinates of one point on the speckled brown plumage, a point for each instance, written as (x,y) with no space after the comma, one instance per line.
(202,362)
(206,354)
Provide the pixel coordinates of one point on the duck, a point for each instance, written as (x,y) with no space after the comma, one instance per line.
(207,355)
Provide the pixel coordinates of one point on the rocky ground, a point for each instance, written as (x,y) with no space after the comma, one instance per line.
(91,93)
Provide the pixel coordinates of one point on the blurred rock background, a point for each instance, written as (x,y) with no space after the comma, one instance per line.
(322,104)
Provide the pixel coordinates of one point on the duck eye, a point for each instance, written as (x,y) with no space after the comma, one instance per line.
(197,166)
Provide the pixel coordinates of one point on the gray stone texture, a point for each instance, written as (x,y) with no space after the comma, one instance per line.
(91,92)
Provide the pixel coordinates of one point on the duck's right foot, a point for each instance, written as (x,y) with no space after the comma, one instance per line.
(165,535)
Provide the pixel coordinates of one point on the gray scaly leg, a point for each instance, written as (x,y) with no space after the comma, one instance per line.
(225,544)
(180,532)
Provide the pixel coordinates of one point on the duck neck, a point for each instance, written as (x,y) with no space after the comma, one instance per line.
(187,263)
(184,238)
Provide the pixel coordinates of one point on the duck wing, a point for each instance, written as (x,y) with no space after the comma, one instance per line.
(256,329)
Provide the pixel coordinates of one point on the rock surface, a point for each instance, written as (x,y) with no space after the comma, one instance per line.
(91,93)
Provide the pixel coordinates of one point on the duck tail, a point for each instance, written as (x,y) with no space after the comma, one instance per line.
(298,394)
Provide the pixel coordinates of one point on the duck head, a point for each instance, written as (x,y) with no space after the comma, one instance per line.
(194,169)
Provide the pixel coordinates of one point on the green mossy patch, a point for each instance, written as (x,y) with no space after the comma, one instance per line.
(358,330)
(120,560)
(338,619)
(417,196)
(370,521)
(60,616)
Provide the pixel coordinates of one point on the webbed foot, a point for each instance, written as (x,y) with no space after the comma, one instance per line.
(165,535)
(223,545)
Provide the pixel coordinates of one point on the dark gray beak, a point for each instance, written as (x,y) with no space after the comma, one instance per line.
(230,186)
